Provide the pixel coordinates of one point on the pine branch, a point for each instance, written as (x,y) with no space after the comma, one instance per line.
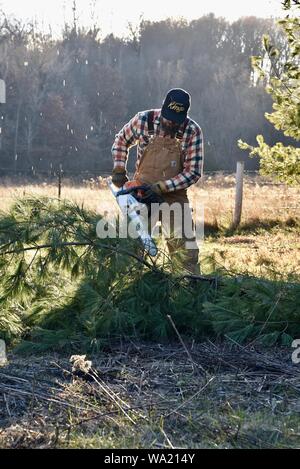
(75,243)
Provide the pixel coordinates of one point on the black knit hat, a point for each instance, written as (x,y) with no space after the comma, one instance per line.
(176,105)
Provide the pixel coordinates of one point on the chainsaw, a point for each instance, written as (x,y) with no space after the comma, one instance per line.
(129,198)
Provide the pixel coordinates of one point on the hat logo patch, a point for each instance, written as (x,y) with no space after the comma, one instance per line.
(177,107)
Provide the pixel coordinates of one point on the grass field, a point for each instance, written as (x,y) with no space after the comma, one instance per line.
(267,239)
(163,395)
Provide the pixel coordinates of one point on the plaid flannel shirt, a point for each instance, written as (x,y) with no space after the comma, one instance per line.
(135,132)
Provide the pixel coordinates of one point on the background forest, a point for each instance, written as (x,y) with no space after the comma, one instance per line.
(68,97)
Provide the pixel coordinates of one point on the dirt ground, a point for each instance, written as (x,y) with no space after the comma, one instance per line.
(140,395)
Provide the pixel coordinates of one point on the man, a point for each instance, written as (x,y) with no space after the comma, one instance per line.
(169,160)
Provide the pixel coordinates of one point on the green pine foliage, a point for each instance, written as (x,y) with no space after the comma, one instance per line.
(254,310)
(283,83)
(63,289)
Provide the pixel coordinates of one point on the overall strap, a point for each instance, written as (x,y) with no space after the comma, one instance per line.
(151,122)
(180,132)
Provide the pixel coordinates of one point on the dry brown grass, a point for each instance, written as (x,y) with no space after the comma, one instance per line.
(262,200)
(268,234)
(267,242)
(269,255)
(151,396)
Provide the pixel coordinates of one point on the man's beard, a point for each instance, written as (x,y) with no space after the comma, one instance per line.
(169,128)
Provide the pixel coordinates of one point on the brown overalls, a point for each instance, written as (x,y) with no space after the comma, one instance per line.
(162,159)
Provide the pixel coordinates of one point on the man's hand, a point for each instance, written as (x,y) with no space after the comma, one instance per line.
(119,177)
(158,187)
(154,194)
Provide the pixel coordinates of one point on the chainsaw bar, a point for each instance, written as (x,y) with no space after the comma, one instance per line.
(130,207)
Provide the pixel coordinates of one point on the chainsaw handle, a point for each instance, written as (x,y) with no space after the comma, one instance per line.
(131,189)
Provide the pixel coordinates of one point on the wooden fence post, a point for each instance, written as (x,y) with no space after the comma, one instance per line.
(238,194)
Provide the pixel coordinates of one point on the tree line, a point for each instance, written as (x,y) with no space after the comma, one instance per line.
(68,97)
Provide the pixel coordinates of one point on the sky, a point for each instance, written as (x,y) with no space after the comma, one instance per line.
(113,15)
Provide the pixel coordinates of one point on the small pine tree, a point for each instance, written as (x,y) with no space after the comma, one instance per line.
(283,78)
(62,288)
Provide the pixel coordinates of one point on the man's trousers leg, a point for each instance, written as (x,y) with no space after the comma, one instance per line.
(178,229)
